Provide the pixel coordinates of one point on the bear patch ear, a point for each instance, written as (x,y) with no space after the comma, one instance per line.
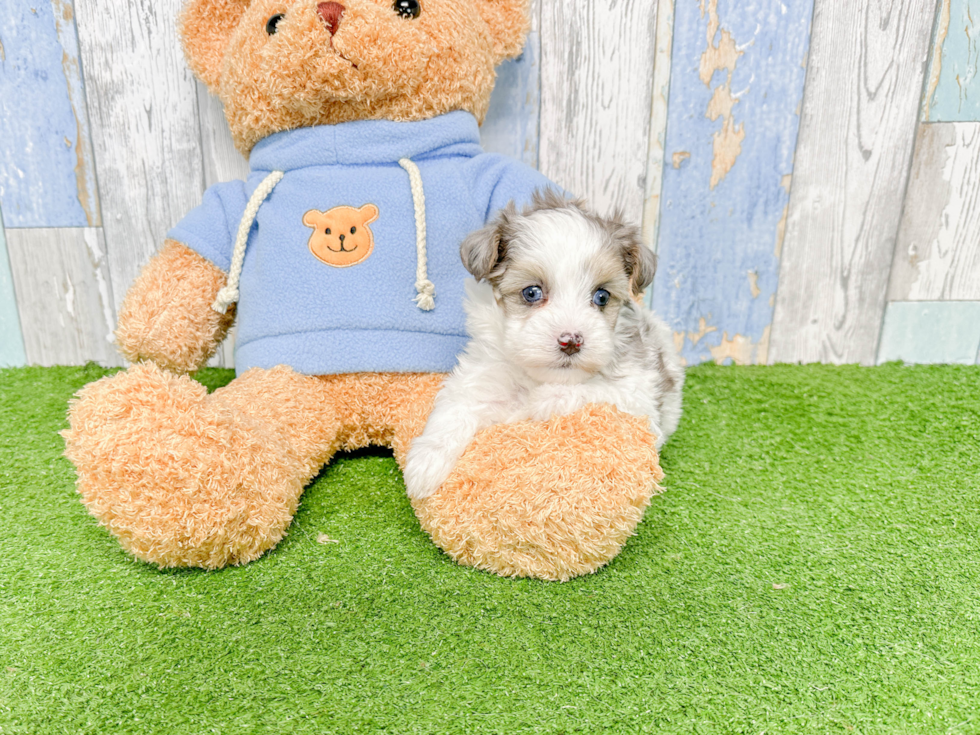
(206,28)
(369,212)
(508,21)
(313,218)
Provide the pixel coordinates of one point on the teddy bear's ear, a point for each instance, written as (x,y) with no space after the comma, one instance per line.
(313,218)
(206,27)
(509,21)
(369,212)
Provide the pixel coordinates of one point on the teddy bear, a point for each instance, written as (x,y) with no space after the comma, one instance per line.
(360,120)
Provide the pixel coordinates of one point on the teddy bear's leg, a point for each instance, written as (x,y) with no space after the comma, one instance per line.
(552,499)
(385,409)
(187,479)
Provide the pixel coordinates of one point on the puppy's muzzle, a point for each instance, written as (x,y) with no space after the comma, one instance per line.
(570,343)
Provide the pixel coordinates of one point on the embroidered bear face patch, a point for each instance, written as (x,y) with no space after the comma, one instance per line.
(341,236)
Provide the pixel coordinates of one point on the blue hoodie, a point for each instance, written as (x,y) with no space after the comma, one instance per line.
(295,309)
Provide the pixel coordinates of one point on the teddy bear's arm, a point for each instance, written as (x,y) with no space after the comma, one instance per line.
(167,318)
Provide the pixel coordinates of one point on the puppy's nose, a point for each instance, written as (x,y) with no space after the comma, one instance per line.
(570,343)
(330,14)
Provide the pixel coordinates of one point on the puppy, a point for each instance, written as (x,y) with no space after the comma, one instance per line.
(555,324)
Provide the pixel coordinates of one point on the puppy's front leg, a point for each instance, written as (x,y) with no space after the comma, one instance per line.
(433,455)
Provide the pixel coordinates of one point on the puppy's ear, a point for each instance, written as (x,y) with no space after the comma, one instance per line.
(206,28)
(639,261)
(484,250)
(508,21)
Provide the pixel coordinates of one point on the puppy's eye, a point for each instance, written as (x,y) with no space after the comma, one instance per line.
(353,230)
(600,298)
(408,8)
(532,294)
(270,26)
(326,231)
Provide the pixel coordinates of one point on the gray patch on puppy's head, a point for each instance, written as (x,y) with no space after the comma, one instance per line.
(639,261)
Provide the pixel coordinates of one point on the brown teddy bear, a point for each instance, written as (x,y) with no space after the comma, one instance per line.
(360,116)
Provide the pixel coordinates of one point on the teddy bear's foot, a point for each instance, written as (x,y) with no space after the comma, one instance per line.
(187,479)
(551,500)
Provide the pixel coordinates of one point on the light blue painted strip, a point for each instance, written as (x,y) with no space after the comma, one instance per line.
(38,129)
(931,332)
(719,246)
(511,124)
(11,338)
(954,87)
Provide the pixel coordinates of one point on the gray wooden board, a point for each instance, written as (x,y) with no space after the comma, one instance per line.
(64,294)
(142,104)
(937,257)
(596,87)
(860,106)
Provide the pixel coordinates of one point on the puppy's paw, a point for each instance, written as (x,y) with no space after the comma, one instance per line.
(426,468)
(550,399)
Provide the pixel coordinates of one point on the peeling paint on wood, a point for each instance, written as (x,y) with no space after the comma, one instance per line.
(46,170)
(937,256)
(867,65)
(931,332)
(11,338)
(953,88)
(736,81)
(65,295)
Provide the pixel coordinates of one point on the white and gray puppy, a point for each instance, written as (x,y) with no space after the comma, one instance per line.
(555,325)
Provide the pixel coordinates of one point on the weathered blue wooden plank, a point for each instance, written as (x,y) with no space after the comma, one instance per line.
(11,337)
(931,332)
(737,74)
(46,173)
(511,124)
(953,87)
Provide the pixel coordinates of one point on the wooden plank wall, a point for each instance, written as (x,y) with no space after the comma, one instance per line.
(808,170)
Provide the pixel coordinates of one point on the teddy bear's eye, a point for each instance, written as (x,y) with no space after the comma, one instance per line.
(408,8)
(353,230)
(326,231)
(270,26)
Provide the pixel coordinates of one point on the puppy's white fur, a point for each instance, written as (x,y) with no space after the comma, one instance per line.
(514,368)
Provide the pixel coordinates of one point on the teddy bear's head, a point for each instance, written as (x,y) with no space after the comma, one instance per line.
(342,236)
(283,64)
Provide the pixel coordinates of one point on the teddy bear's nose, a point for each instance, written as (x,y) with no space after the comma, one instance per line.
(330,14)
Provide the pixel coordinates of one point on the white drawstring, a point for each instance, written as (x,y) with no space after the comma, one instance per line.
(426,292)
(229,294)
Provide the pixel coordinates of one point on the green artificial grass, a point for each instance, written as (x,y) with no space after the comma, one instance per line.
(814,566)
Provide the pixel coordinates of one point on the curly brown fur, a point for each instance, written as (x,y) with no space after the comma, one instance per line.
(550,500)
(167,317)
(376,66)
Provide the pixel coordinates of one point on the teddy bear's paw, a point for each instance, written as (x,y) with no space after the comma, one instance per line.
(551,499)
(179,479)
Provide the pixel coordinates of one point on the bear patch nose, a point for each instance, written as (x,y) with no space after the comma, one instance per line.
(570,343)
(330,14)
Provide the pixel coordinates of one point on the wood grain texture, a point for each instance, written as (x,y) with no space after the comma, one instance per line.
(657,136)
(946,332)
(64,294)
(736,85)
(11,338)
(596,85)
(145,129)
(953,89)
(860,108)
(47,177)
(937,256)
